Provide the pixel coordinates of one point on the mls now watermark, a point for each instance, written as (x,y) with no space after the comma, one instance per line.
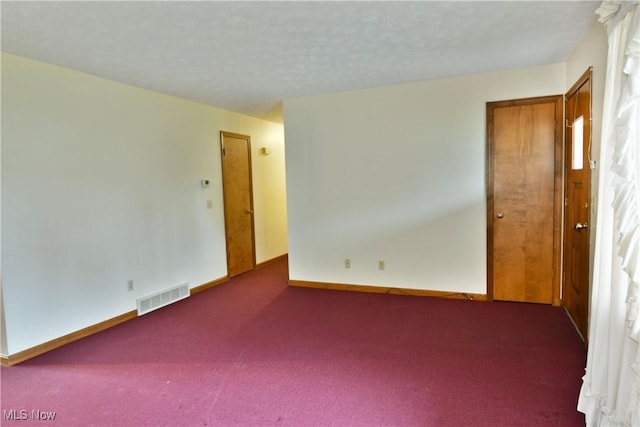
(23,415)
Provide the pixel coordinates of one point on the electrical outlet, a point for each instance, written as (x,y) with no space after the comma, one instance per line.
(130,285)
(347,263)
(381,265)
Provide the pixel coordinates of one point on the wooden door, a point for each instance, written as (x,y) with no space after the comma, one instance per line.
(238,202)
(524,161)
(575,289)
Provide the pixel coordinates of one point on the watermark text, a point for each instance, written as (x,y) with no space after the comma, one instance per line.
(24,414)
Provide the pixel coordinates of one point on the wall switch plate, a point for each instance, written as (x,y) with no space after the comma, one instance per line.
(380,265)
(347,263)
(209,204)
(130,285)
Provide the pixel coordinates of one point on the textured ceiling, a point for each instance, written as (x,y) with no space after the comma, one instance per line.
(249,56)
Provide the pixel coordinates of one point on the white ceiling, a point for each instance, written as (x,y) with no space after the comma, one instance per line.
(249,56)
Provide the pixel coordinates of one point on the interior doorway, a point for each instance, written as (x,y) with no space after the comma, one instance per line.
(524,193)
(238,202)
(577,166)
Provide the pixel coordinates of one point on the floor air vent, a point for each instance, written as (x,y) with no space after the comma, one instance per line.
(162,298)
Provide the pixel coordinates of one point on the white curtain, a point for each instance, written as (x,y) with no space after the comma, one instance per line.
(610,394)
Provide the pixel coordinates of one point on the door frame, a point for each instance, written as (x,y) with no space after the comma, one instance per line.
(558,187)
(585,78)
(224,134)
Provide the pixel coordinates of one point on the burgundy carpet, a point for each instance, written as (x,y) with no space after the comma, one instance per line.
(256,352)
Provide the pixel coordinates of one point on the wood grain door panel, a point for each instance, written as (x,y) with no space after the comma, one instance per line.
(238,202)
(522,139)
(577,210)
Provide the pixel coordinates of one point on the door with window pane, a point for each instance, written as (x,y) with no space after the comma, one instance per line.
(577,222)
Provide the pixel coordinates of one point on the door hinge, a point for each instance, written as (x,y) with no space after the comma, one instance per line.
(224,152)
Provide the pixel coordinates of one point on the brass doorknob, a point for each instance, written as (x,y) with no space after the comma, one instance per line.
(500,215)
(580,226)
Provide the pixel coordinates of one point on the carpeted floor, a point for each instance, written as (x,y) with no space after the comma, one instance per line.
(256,352)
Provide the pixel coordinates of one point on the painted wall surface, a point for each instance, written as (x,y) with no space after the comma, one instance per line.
(397,174)
(101,185)
(591,52)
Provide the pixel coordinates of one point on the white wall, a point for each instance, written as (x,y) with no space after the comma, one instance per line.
(397,174)
(101,184)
